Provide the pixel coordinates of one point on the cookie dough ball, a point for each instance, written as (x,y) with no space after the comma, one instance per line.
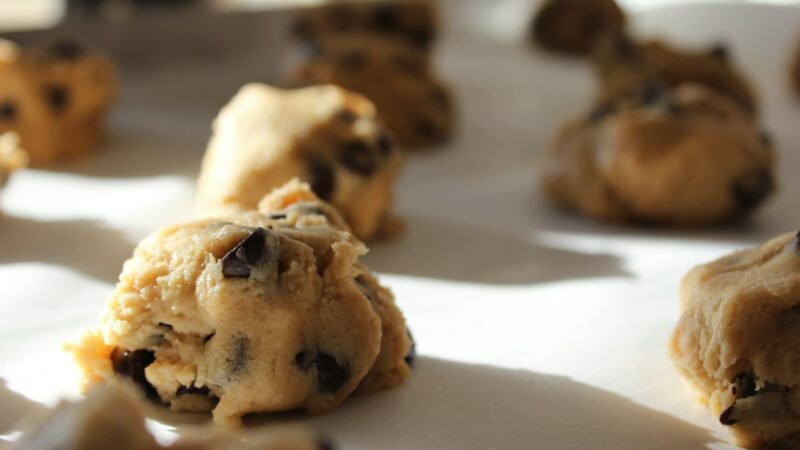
(262,311)
(413,21)
(624,65)
(55,98)
(737,341)
(324,135)
(11,156)
(111,417)
(413,103)
(684,157)
(574,26)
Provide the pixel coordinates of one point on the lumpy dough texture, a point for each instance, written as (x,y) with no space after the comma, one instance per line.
(624,64)
(684,157)
(55,99)
(413,21)
(396,77)
(112,417)
(324,135)
(574,26)
(737,341)
(263,311)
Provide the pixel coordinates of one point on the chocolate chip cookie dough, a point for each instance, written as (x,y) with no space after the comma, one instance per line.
(574,26)
(624,65)
(55,99)
(324,135)
(737,341)
(261,311)
(415,105)
(685,156)
(413,21)
(112,417)
(11,156)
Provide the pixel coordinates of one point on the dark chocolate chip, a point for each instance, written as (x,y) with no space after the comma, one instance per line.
(303,359)
(353,60)
(385,143)
(752,189)
(331,375)
(240,355)
(725,418)
(744,385)
(358,157)
(625,48)
(346,115)
(65,49)
(602,111)
(412,351)
(58,98)
(421,37)
(428,129)
(766,138)
(651,93)
(720,51)
(322,179)
(131,364)
(386,17)
(192,390)
(165,325)
(208,338)
(325,444)
(240,260)
(277,216)
(8,110)
(303,29)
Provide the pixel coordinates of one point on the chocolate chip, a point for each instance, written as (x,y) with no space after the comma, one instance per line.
(165,325)
(601,111)
(65,49)
(363,286)
(441,99)
(675,109)
(720,51)
(421,37)
(752,189)
(625,48)
(744,385)
(303,359)
(428,129)
(131,364)
(651,93)
(331,375)
(8,110)
(358,157)
(386,17)
(412,351)
(208,338)
(385,143)
(353,60)
(277,216)
(325,444)
(346,116)
(726,417)
(765,138)
(237,362)
(322,179)
(303,29)
(240,260)
(57,97)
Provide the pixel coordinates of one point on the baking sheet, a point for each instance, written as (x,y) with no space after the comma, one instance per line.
(536,328)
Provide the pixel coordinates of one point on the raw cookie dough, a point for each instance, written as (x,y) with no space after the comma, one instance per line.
(685,156)
(55,98)
(411,20)
(11,156)
(737,341)
(624,64)
(574,26)
(263,311)
(324,135)
(413,103)
(112,417)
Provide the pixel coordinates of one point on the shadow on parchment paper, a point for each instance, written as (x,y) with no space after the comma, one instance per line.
(16,407)
(83,245)
(452,251)
(140,154)
(446,404)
